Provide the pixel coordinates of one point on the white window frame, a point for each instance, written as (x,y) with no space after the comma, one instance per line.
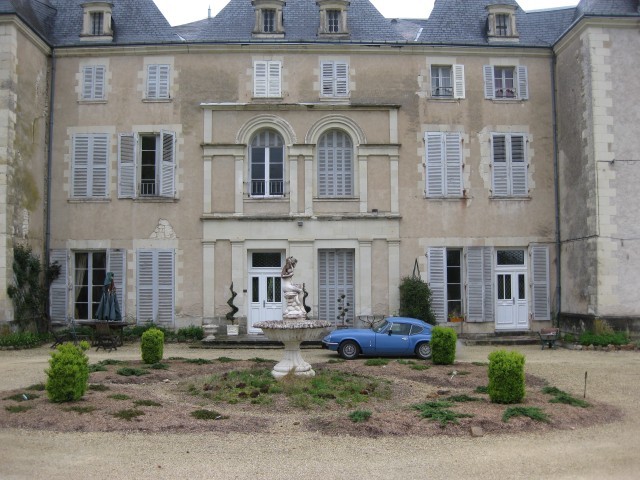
(509,168)
(334,81)
(129,165)
(90,165)
(457,82)
(437,274)
(155,286)
(267,79)
(335,165)
(443,162)
(272,187)
(158,82)
(520,81)
(93,82)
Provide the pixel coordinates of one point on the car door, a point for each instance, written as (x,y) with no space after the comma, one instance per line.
(394,340)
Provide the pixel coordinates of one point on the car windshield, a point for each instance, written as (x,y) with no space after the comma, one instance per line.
(381,328)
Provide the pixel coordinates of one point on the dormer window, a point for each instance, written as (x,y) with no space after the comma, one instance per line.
(501,23)
(96,23)
(269,22)
(333,18)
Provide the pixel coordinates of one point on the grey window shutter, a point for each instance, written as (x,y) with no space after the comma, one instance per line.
(145,283)
(323,167)
(99,83)
(260,79)
(87,83)
(499,167)
(523,83)
(453,164)
(99,166)
(165,287)
(127,165)
(458,81)
(479,284)
(275,83)
(152,81)
(342,79)
(155,291)
(518,165)
(336,274)
(487,277)
(80,166)
(117,264)
(58,291)
(436,271)
(335,164)
(489,84)
(540,284)
(168,164)
(435,167)
(163,81)
(327,73)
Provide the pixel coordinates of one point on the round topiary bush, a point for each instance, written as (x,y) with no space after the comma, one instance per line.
(68,375)
(506,377)
(152,345)
(443,345)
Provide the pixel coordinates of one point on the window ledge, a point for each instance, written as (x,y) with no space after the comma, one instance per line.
(444,99)
(267,198)
(154,200)
(89,200)
(507,100)
(157,100)
(511,198)
(447,199)
(336,199)
(92,102)
(267,99)
(343,99)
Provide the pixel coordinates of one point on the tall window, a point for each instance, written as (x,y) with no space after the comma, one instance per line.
(441,82)
(158,82)
(333,21)
(97,23)
(93,81)
(266,161)
(335,79)
(444,164)
(336,288)
(146,165)
(508,165)
(90,272)
(445,282)
(335,164)
(90,165)
(268,20)
(503,23)
(506,82)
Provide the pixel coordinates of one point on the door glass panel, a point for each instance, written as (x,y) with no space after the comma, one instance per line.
(278,289)
(270,288)
(510,257)
(266,259)
(255,289)
(521,285)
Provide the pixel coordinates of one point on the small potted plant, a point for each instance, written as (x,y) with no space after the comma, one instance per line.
(232,329)
(455,316)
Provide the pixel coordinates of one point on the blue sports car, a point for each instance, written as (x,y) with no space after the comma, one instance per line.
(395,336)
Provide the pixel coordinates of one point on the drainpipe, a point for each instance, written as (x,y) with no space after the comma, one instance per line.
(47,205)
(556,175)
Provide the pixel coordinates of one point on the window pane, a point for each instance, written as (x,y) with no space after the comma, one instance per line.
(521,287)
(266,260)
(510,257)
(255,289)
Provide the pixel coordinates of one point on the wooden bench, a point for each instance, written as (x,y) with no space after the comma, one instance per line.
(549,336)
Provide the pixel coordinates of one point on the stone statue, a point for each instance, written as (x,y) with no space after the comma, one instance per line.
(291,292)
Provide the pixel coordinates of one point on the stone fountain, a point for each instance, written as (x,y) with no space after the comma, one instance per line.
(293,329)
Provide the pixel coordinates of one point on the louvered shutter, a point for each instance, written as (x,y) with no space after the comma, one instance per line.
(275,71)
(479,284)
(152,81)
(453,164)
(347,169)
(436,271)
(435,166)
(165,289)
(127,165)
(145,283)
(523,83)
(487,278)
(499,167)
(336,274)
(80,166)
(163,81)
(458,81)
(99,165)
(540,284)
(323,166)
(518,165)
(116,263)
(98,86)
(260,79)
(87,83)
(325,297)
(342,79)
(489,83)
(168,164)
(327,72)
(58,306)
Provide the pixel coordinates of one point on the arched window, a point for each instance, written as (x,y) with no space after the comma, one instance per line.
(266,164)
(335,164)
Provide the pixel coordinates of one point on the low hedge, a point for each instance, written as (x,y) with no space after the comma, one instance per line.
(603,339)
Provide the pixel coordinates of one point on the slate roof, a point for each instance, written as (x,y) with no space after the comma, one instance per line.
(37,14)
(608,8)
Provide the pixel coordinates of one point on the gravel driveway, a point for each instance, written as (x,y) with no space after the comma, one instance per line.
(603,452)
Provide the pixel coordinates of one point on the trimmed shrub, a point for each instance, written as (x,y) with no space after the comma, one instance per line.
(68,375)
(152,345)
(506,377)
(415,300)
(443,345)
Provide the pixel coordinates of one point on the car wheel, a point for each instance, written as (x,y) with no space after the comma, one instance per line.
(423,351)
(349,350)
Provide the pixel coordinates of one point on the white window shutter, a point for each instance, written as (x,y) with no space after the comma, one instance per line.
(479,284)
(453,164)
(117,264)
(168,164)
(145,283)
(347,168)
(98,89)
(165,279)
(458,81)
(152,81)
(342,79)
(487,278)
(127,165)
(87,83)
(163,81)
(436,271)
(540,284)
(100,166)
(518,165)
(327,73)
(260,79)
(489,83)
(275,84)
(435,166)
(523,83)
(499,168)
(323,167)
(58,291)
(80,166)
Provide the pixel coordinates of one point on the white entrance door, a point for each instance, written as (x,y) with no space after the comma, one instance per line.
(266,298)
(512,311)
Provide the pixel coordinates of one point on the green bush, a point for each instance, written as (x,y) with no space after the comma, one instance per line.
(190,333)
(23,340)
(68,375)
(415,300)
(603,339)
(506,377)
(152,345)
(443,345)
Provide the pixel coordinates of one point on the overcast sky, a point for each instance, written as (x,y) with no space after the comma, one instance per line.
(185,11)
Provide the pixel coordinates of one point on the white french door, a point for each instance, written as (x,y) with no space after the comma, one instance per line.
(265,289)
(512,311)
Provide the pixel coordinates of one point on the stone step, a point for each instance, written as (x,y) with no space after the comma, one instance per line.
(502,339)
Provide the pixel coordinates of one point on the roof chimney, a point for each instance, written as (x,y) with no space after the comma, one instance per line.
(209,14)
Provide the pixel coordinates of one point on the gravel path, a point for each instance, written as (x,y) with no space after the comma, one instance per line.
(604,452)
